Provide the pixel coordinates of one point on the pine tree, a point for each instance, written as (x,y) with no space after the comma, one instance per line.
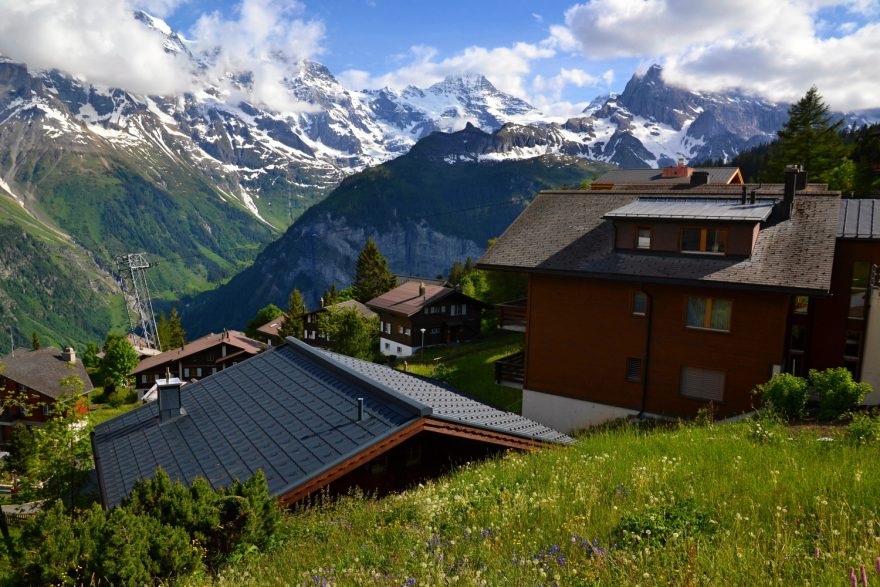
(810,139)
(176,334)
(331,295)
(372,277)
(293,317)
(35,341)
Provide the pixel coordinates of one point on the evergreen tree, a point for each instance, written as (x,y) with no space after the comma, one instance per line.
(810,139)
(263,315)
(176,334)
(163,331)
(372,277)
(35,341)
(90,356)
(293,317)
(866,156)
(331,295)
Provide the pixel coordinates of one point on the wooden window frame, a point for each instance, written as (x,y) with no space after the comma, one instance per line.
(650,230)
(704,239)
(707,315)
(794,306)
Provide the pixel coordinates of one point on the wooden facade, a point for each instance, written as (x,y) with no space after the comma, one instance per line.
(583,338)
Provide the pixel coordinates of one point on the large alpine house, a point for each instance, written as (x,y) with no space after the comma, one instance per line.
(308,419)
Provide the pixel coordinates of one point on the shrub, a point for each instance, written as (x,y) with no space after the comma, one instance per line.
(659,524)
(785,393)
(864,428)
(837,391)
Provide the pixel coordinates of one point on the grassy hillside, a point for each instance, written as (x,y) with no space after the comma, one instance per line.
(50,286)
(717,505)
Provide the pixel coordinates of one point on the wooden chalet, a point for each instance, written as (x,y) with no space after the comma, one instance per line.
(416,315)
(35,377)
(199,358)
(310,420)
(657,301)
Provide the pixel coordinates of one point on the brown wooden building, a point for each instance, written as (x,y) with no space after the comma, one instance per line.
(34,377)
(659,301)
(199,358)
(416,315)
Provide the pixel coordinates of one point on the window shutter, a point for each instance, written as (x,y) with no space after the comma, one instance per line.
(702,384)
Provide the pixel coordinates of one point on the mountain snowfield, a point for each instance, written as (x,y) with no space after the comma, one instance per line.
(275,164)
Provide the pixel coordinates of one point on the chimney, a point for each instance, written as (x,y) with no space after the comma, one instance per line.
(322,302)
(791,180)
(680,170)
(69,355)
(752,195)
(699,178)
(801,182)
(742,198)
(360,405)
(169,398)
(422,289)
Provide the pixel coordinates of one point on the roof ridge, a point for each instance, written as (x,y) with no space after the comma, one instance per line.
(303,349)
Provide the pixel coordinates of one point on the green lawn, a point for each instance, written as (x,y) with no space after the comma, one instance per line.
(469,367)
(103,412)
(720,505)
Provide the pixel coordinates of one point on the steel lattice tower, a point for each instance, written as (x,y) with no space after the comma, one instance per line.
(133,267)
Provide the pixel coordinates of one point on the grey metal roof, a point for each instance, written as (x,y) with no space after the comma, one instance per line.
(566,233)
(449,404)
(290,411)
(859,219)
(694,208)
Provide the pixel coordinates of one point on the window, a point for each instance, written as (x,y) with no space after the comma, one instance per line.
(388,328)
(704,240)
(435,331)
(643,237)
(387,346)
(801,304)
(796,347)
(639,303)
(633,369)
(708,313)
(407,331)
(798,335)
(400,330)
(47,410)
(702,384)
(144,378)
(851,348)
(453,310)
(186,372)
(859,287)
(399,350)
(198,371)
(213,370)
(463,309)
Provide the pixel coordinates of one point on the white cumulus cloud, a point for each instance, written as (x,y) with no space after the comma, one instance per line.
(99,41)
(775,49)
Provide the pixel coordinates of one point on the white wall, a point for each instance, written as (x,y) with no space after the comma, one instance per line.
(392,348)
(567,414)
(871,350)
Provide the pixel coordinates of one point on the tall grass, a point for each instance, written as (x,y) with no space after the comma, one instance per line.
(682,506)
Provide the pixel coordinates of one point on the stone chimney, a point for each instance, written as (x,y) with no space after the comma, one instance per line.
(169,398)
(422,289)
(795,179)
(69,355)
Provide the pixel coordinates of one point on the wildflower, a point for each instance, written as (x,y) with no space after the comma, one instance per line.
(818,554)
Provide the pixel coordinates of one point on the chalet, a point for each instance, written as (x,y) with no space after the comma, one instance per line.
(660,300)
(310,420)
(271,330)
(416,315)
(38,375)
(199,358)
(679,175)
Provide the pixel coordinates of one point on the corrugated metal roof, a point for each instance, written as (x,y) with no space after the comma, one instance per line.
(692,208)
(290,411)
(859,219)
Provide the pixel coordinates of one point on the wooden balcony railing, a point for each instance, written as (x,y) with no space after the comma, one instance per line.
(510,370)
(512,315)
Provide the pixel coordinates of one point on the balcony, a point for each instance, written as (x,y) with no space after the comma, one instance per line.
(510,370)
(512,315)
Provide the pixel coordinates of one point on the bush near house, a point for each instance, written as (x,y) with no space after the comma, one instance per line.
(834,388)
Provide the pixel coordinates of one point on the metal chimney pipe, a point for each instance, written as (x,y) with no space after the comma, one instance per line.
(360,404)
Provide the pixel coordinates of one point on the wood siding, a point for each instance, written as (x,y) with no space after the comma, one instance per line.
(582,332)
(666,235)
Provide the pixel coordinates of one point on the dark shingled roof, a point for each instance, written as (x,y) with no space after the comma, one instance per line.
(406,300)
(232,338)
(717,175)
(42,370)
(565,233)
(290,411)
(859,219)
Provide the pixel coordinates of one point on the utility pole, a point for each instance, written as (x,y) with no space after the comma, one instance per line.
(133,266)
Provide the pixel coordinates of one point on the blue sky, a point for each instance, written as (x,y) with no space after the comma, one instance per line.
(556,54)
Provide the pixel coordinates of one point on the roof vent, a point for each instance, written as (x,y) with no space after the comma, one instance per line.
(168,390)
